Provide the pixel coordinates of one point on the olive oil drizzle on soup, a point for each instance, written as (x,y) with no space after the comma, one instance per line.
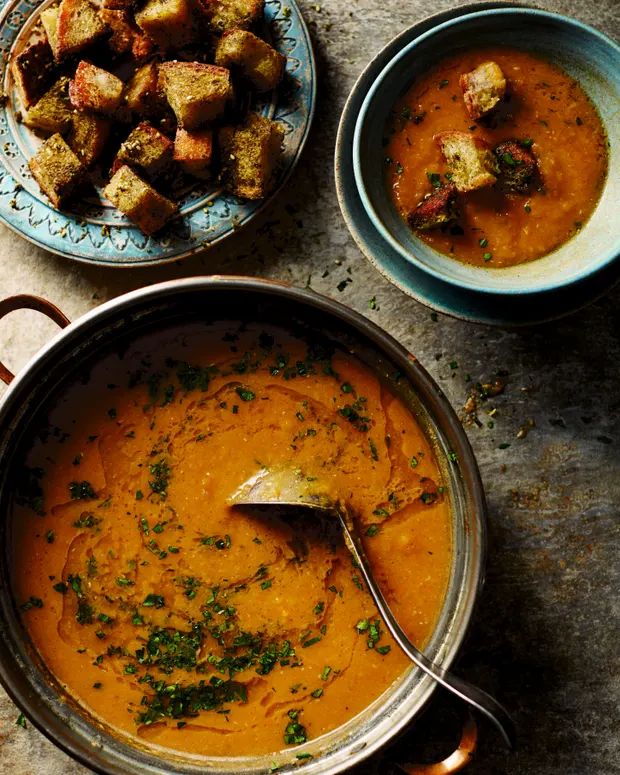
(175,619)
(546,109)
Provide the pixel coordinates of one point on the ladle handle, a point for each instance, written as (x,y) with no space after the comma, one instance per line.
(466,691)
(25,301)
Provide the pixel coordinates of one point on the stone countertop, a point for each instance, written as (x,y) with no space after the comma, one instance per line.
(545,636)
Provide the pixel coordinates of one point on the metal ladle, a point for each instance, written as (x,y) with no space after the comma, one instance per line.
(287,488)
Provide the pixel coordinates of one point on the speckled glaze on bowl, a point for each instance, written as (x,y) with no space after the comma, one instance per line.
(93,231)
(586,55)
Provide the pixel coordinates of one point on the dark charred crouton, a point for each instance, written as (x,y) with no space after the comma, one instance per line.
(79,26)
(118,5)
(261,64)
(224,15)
(56,169)
(170,23)
(148,149)
(193,151)
(518,166)
(88,136)
(95,89)
(49,20)
(33,71)
(53,112)
(470,161)
(434,210)
(250,155)
(126,37)
(139,201)
(142,94)
(197,93)
(483,88)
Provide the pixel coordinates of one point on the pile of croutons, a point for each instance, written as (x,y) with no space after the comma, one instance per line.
(472,163)
(145,90)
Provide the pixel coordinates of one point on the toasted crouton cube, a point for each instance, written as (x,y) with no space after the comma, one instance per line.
(148,149)
(170,23)
(52,113)
(517,166)
(126,37)
(56,169)
(95,89)
(118,5)
(483,88)
(33,71)
(197,93)
(49,20)
(434,210)
(225,15)
(193,151)
(261,64)
(139,201)
(79,26)
(470,160)
(142,94)
(88,136)
(250,155)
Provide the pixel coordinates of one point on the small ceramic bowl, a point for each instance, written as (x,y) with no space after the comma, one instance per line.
(586,55)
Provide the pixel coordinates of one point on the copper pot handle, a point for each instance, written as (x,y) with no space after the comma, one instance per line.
(457,760)
(25,301)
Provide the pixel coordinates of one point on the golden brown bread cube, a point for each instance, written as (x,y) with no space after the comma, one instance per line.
(197,93)
(436,209)
(193,151)
(225,15)
(95,89)
(49,20)
(33,71)
(142,94)
(87,136)
(53,112)
(259,62)
(126,37)
(482,88)
(170,23)
(250,156)
(79,26)
(139,201)
(471,163)
(56,169)
(148,149)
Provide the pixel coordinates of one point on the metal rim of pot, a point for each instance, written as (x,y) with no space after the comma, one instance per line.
(85,737)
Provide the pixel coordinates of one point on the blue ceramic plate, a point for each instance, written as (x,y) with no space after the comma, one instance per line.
(469,305)
(97,233)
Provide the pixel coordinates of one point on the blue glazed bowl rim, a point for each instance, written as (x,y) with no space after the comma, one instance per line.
(410,256)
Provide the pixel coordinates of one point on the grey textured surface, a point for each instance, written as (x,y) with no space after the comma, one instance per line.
(545,637)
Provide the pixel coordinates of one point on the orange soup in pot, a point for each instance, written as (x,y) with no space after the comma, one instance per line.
(181,622)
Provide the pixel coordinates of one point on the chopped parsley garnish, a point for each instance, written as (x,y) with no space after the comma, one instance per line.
(414,462)
(32,602)
(179,701)
(21,721)
(245,394)
(86,520)
(325,673)
(295,733)
(50,536)
(153,601)
(81,490)
(372,530)
(160,472)
(428,497)
(434,178)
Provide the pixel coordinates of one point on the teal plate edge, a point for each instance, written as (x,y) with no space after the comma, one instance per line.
(471,306)
(95,232)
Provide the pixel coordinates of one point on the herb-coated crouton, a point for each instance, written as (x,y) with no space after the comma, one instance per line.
(517,166)
(193,151)
(88,136)
(483,88)
(170,23)
(56,169)
(33,71)
(52,113)
(126,37)
(148,149)
(142,94)
(139,201)
(470,160)
(435,209)
(261,64)
(79,25)
(225,15)
(49,20)
(197,93)
(95,89)
(250,154)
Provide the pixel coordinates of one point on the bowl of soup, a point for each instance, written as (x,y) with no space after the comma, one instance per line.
(487,151)
(146,626)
